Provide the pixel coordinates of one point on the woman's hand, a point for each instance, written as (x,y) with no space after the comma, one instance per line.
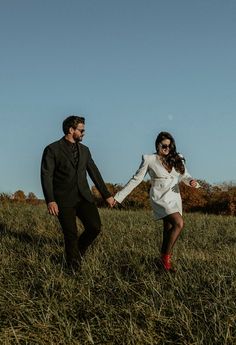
(193,183)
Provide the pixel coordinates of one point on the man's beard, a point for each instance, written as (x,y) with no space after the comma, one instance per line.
(78,139)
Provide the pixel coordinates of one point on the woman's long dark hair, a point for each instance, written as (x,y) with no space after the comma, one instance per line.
(173,159)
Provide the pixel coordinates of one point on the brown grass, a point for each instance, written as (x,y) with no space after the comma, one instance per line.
(119,297)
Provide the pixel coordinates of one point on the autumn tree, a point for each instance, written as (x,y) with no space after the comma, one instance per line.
(195,199)
(31,196)
(112,188)
(32,199)
(138,198)
(207,199)
(5,197)
(19,195)
(222,201)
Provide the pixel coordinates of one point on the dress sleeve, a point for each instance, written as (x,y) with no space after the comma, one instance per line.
(186,178)
(134,181)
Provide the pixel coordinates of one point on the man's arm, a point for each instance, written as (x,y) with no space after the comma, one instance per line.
(97,179)
(47,171)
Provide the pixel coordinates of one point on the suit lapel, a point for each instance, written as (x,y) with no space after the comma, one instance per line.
(67,152)
(81,154)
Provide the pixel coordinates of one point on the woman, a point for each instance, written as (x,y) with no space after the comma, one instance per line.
(166,169)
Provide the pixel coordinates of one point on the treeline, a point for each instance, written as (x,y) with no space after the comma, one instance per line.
(20,196)
(207,199)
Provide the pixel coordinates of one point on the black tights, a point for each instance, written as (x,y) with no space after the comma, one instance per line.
(172,227)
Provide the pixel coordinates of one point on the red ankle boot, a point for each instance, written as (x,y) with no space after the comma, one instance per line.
(166,262)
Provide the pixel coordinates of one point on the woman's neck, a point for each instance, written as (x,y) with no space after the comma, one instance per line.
(161,156)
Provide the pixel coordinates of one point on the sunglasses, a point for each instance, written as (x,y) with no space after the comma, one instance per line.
(81,130)
(164,146)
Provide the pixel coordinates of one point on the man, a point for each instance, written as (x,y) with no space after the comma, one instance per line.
(65,164)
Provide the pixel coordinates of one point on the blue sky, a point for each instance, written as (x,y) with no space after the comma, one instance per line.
(132,68)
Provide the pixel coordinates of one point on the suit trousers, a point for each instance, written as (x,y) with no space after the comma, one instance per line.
(75,245)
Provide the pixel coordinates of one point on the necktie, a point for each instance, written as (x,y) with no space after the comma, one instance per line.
(75,153)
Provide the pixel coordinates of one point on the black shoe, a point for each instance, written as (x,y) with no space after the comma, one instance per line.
(73,267)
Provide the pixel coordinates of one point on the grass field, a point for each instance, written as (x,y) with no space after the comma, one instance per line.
(119,297)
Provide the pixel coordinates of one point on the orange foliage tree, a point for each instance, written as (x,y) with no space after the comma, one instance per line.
(19,195)
(222,201)
(207,199)
(195,199)
(138,198)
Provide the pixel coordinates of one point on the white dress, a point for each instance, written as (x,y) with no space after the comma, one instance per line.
(164,193)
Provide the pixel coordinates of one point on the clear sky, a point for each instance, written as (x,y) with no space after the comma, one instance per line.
(133,68)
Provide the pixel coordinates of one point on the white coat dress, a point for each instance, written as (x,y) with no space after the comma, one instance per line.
(164,193)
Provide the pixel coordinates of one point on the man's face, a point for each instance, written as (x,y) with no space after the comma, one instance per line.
(78,132)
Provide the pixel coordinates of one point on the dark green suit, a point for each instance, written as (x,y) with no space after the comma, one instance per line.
(67,185)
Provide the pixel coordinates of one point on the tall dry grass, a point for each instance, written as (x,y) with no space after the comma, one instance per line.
(119,296)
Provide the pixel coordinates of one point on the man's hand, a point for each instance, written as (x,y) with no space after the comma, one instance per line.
(111,201)
(53,208)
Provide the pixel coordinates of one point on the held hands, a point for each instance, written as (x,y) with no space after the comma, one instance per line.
(111,201)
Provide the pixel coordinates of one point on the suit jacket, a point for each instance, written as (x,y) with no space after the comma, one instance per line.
(62,181)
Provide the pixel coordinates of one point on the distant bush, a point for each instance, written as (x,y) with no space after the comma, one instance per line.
(20,197)
(210,199)
(207,199)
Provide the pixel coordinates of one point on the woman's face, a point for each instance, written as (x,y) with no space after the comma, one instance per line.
(164,147)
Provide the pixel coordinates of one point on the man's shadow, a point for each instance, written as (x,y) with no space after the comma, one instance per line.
(37,241)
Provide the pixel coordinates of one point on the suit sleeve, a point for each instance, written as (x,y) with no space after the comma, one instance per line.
(47,171)
(96,177)
(134,181)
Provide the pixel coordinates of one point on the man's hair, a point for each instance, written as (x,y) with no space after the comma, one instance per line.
(72,121)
